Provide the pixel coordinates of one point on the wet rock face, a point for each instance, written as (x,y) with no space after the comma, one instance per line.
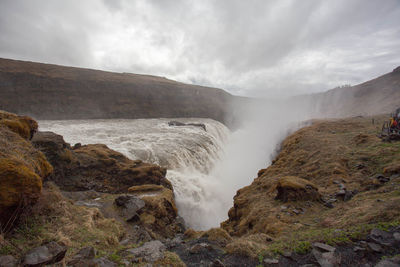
(95,167)
(178,123)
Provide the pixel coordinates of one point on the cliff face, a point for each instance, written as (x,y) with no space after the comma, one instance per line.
(55,92)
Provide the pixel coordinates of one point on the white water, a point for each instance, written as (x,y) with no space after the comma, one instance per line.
(206,168)
(188,152)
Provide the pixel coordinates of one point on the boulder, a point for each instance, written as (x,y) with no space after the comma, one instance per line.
(22,169)
(291,188)
(47,254)
(326,259)
(159,215)
(84,257)
(323,247)
(129,206)
(150,251)
(95,167)
(381,237)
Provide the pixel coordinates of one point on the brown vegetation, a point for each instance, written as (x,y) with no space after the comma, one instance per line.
(160,212)
(330,156)
(55,218)
(22,167)
(95,167)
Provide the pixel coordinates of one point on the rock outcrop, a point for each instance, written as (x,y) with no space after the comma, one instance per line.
(178,123)
(290,188)
(22,167)
(95,167)
(159,213)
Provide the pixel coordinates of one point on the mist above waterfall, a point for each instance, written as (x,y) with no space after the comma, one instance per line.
(206,168)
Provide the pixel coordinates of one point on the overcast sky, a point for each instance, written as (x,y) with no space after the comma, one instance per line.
(253,48)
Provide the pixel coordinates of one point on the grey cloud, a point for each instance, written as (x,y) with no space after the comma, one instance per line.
(258,47)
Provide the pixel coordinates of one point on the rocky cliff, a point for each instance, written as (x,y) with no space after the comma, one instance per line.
(47,91)
(331,182)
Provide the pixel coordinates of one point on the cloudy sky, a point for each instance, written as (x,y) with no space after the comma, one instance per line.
(253,48)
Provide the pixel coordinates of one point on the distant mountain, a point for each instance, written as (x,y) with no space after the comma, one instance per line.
(377,96)
(47,91)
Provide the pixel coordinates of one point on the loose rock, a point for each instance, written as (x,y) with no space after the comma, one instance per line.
(271,261)
(84,257)
(375,247)
(381,237)
(326,259)
(46,254)
(323,247)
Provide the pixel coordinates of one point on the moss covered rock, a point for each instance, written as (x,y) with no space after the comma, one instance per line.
(291,188)
(159,214)
(95,167)
(22,167)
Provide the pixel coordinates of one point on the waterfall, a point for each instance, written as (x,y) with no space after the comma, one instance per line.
(188,152)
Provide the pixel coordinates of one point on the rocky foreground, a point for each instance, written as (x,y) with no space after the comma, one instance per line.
(330,198)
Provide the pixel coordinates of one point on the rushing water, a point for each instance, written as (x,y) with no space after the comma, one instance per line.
(188,152)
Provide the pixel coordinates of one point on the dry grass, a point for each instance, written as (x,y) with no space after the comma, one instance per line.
(22,169)
(170,259)
(22,125)
(55,218)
